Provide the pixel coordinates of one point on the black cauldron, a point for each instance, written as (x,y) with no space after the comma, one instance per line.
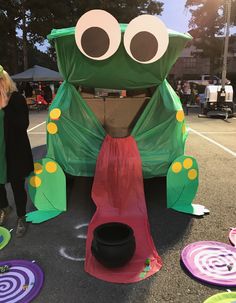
(113,244)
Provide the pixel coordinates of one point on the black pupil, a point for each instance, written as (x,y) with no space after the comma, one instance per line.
(144,46)
(95,42)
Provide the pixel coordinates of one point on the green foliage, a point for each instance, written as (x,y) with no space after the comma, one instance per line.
(207,22)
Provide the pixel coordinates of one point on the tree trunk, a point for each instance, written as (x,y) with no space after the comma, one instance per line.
(212,66)
(24,41)
(12,47)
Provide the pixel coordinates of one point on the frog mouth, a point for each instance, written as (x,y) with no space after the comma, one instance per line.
(117,111)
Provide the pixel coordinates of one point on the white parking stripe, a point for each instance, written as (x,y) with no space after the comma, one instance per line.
(213,141)
(29,130)
(218,132)
(37,133)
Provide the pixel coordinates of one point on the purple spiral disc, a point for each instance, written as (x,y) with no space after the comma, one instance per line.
(211,262)
(232,236)
(21,283)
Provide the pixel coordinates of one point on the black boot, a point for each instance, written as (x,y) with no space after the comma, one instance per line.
(4,213)
(21,227)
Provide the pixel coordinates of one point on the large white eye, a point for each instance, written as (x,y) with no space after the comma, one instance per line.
(146,39)
(97,34)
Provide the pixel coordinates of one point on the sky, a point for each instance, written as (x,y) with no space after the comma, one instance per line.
(175,16)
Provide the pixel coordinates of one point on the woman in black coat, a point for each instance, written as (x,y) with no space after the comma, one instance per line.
(18,156)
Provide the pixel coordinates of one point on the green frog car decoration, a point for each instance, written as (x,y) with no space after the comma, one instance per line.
(101,53)
(119,141)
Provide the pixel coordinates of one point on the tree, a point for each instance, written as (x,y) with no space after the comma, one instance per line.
(47,15)
(9,42)
(206,25)
(125,10)
(34,19)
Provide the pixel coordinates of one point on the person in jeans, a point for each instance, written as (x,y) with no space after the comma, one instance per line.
(186,96)
(16,161)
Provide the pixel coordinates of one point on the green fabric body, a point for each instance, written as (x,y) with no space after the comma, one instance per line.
(3,165)
(158,134)
(80,135)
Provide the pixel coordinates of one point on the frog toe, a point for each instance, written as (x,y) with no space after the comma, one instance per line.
(40,216)
(199,210)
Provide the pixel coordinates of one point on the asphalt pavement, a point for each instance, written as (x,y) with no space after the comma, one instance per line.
(58,246)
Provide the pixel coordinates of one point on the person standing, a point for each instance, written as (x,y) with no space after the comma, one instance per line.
(179,90)
(186,96)
(16,161)
(194,94)
(47,94)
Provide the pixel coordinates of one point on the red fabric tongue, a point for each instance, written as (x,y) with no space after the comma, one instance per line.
(119,196)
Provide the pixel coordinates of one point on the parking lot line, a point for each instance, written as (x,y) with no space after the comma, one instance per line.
(29,130)
(37,133)
(213,141)
(218,132)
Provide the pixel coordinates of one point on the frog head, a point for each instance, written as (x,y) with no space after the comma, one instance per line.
(99,52)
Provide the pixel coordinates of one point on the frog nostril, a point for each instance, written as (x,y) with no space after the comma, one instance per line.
(144,46)
(95,42)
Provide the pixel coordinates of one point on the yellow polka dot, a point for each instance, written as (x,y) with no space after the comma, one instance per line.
(55,114)
(35,181)
(176,167)
(52,128)
(183,129)
(180,115)
(51,167)
(38,168)
(192,174)
(188,163)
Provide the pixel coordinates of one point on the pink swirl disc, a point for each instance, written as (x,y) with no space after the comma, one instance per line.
(211,262)
(232,236)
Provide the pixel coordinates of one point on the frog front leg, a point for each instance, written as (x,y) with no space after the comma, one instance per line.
(182,185)
(47,189)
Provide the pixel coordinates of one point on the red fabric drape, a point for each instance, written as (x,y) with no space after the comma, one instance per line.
(119,196)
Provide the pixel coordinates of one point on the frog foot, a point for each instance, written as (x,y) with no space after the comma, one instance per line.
(182,185)
(193,209)
(47,189)
(40,216)
(200,210)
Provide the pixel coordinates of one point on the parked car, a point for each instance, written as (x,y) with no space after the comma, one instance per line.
(207,80)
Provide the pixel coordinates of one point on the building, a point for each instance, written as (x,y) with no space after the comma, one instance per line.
(191,65)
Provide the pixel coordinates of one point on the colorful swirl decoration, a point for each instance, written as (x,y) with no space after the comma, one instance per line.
(232,236)
(20,281)
(5,237)
(211,262)
(223,297)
